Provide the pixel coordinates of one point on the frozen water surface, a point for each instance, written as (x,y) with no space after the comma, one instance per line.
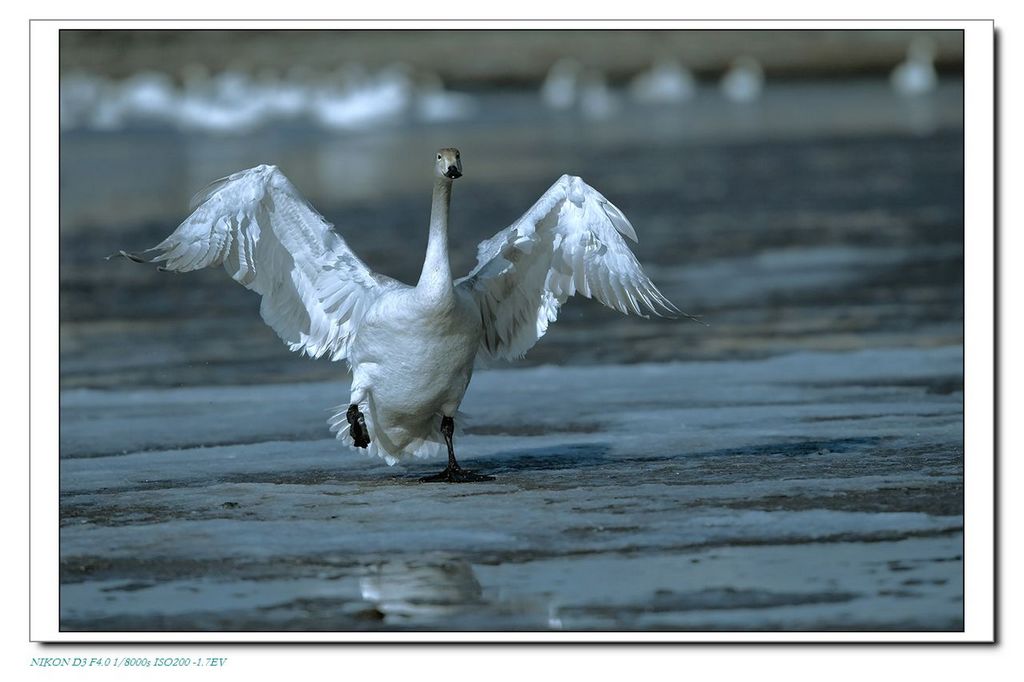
(805,491)
(796,465)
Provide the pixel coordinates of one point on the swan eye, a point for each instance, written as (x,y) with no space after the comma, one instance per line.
(439,157)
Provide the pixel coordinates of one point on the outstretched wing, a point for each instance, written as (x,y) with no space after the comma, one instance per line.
(568,242)
(269,239)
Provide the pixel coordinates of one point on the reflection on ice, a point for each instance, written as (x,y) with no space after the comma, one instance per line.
(421,589)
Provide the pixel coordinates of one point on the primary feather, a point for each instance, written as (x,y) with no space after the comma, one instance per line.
(569,241)
(269,239)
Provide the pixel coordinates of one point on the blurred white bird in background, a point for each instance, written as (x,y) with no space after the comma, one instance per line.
(560,88)
(666,82)
(433,103)
(100,103)
(916,74)
(282,99)
(147,96)
(596,99)
(80,95)
(221,103)
(411,349)
(234,102)
(744,81)
(364,101)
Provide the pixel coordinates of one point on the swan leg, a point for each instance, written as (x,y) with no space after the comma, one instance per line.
(453,473)
(360,435)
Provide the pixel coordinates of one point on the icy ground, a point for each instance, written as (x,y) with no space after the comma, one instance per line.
(805,491)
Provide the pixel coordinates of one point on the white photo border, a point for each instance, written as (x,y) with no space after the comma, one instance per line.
(979,342)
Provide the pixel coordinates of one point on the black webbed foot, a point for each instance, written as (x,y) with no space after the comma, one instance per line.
(360,434)
(456,475)
(453,473)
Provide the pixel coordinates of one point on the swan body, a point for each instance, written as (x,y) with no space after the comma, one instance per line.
(411,349)
(411,364)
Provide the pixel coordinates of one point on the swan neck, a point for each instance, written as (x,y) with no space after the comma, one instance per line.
(437,271)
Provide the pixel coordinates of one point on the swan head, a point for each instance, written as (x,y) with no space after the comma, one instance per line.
(448,163)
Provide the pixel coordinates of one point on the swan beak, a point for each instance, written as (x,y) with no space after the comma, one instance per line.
(453,172)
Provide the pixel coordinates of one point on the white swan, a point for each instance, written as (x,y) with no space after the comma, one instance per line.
(596,99)
(560,88)
(362,102)
(744,80)
(411,349)
(436,104)
(916,75)
(666,82)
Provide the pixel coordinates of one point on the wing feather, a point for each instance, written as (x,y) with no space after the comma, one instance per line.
(269,239)
(569,241)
